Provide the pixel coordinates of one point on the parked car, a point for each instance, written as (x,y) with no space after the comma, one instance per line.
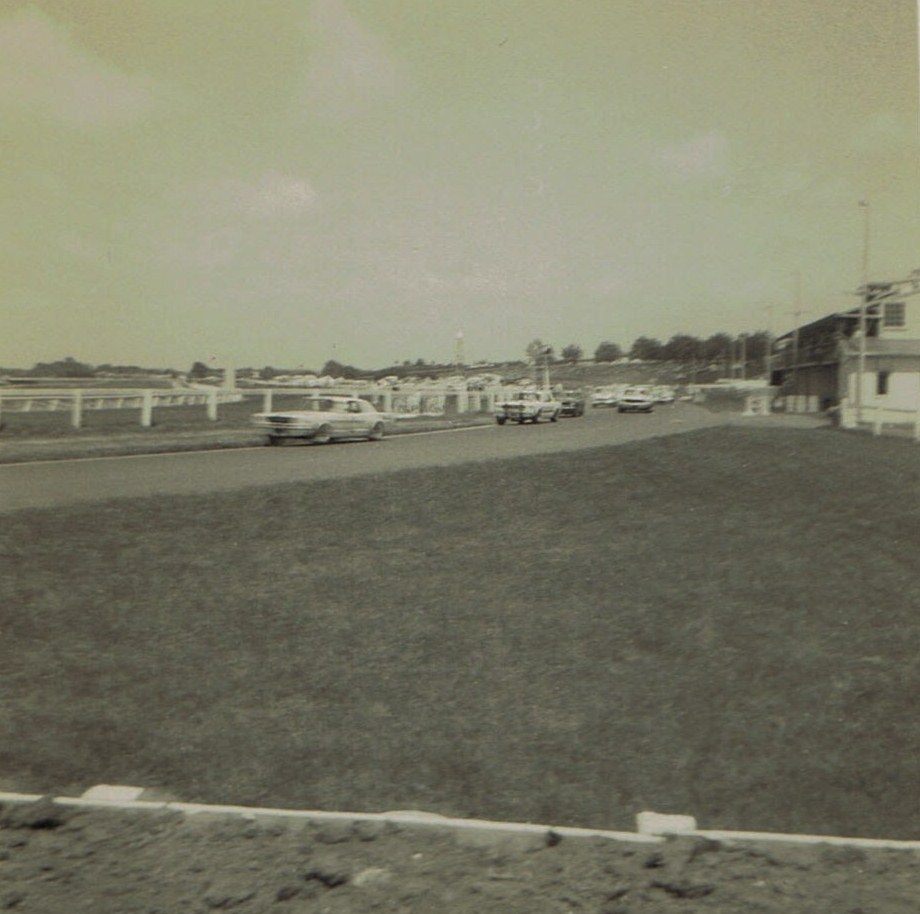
(604,396)
(573,403)
(636,400)
(528,406)
(323,419)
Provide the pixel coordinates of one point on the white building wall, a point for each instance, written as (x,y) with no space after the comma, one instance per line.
(903,390)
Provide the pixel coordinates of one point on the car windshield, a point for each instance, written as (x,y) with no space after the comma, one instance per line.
(325,405)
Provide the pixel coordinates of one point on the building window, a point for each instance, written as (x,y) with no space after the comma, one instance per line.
(881,383)
(893,315)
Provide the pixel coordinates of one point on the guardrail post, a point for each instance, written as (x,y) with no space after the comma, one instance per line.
(267,401)
(147,409)
(76,409)
(212,404)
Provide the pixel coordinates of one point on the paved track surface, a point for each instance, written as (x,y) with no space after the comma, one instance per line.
(64,482)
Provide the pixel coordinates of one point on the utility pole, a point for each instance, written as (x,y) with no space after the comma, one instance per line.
(768,354)
(863,313)
(796,314)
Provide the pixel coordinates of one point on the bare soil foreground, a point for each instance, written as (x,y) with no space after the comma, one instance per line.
(56,859)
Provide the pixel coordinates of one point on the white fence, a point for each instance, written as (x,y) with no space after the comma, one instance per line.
(408,402)
(880,418)
(423,401)
(76,401)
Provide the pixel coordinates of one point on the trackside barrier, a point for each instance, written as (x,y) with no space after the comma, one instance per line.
(651,827)
(77,401)
(880,417)
(757,405)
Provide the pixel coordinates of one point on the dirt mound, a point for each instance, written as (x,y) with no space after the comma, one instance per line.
(58,858)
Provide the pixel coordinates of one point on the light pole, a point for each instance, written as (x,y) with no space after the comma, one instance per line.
(863,312)
(768,360)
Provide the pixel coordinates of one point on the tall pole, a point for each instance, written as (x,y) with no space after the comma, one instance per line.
(768,354)
(863,312)
(795,338)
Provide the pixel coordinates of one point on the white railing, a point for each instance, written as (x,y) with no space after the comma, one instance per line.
(77,400)
(880,417)
(415,401)
(423,401)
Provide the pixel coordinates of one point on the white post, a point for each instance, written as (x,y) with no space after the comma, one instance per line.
(212,404)
(877,429)
(147,409)
(267,401)
(76,410)
(387,401)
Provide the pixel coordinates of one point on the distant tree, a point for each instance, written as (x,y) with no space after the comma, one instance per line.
(199,370)
(338,370)
(607,352)
(65,368)
(420,363)
(572,353)
(682,348)
(537,350)
(267,373)
(646,349)
(717,347)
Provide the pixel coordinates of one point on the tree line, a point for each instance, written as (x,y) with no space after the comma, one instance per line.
(718,349)
(715,349)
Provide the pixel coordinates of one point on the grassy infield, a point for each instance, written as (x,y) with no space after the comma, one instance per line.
(721,623)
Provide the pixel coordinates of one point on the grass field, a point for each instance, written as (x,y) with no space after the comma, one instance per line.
(722,623)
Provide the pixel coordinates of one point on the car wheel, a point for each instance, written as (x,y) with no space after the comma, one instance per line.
(554,416)
(520,421)
(620,409)
(273,441)
(500,420)
(536,417)
(323,435)
(376,432)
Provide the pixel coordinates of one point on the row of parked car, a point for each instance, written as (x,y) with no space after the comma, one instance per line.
(325,418)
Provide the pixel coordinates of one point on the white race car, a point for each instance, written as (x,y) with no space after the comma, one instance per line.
(323,419)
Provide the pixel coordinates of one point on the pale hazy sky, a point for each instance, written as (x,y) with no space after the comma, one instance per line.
(286,181)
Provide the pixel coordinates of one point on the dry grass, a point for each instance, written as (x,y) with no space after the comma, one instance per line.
(721,623)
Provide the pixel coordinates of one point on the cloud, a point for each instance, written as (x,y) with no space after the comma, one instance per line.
(884,132)
(705,155)
(350,69)
(43,70)
(271,194)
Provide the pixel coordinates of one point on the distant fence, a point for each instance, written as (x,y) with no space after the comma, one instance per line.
(417,401)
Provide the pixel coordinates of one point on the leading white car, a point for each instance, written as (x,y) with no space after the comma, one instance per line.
(324,419)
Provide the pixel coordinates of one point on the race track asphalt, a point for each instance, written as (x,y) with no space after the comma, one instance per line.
(64,482)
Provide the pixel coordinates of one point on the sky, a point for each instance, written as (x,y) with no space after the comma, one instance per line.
(284,182)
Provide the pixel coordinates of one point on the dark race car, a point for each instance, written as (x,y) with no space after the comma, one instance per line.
(573,403)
